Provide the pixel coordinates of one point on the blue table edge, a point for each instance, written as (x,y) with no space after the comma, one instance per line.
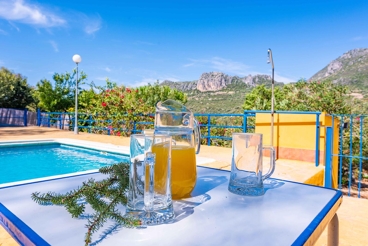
(20,232)
(23,234)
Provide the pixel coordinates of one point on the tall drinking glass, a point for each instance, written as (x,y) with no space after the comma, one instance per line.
(149,197)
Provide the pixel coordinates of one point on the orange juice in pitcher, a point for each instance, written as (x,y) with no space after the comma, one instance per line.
(183,170)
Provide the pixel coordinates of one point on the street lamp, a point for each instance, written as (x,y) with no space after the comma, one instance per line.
(77,59)
(270,60)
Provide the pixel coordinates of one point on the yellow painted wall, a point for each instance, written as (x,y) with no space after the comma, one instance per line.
(298,131)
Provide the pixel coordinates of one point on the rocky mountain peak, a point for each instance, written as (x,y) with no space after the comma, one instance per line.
(348,68)
(213,81)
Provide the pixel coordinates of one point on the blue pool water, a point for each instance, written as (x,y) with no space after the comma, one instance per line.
(24,162)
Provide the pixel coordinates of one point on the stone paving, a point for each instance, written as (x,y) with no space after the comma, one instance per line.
(353,213)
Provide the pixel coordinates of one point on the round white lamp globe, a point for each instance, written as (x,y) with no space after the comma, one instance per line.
(77,59)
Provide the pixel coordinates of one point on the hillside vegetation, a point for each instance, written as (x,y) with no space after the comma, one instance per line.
(228,99)
(350,69)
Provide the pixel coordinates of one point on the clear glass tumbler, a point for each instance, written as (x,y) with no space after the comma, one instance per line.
(149,196)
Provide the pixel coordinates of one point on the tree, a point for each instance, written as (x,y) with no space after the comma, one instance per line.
(61,96)
(151,94)
(323,96)
(14,90)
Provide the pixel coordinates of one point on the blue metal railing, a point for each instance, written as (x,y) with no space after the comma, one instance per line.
(351,131)
(352,160)
(15,118)
(66,120)
(244,127)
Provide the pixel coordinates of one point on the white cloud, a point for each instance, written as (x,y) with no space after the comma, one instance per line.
(359,38)
(54,45)
(14,26)
(222,65)
(32,14)
(189,64)
(107,69)
(92,24)
(3,32)
(101,78)
(232,67)
(283,79)
(146,81)
(173,79)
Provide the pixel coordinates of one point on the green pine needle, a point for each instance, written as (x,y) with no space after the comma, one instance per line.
(103,196)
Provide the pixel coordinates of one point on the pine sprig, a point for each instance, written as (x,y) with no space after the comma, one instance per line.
(103,196)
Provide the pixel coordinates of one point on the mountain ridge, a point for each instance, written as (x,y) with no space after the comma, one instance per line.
(216,81)
(351,69)
(216,92)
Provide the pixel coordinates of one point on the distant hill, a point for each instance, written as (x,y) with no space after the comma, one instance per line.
(216,92)
(216,81)
(350,69)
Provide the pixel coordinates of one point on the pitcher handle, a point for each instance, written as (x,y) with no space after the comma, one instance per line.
(197,135)
(272,162)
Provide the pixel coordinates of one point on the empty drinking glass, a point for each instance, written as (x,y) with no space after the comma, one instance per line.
(149,196)
(246,165)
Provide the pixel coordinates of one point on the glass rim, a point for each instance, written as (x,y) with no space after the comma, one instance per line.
(150,135)
(247,133)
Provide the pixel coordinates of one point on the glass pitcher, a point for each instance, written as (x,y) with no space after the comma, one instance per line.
(174,119)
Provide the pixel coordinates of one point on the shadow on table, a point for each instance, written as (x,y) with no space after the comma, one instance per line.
(182,208)
(185,207)
(272,184)
(206,183)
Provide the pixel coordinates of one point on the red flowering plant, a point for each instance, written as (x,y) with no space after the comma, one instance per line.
(117,109)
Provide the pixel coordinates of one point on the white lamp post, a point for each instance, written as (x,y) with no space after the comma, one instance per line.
(77,59)
(270,60)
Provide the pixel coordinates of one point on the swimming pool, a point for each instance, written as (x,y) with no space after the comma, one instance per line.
(29,160)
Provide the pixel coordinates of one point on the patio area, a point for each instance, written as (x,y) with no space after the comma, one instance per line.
(353,213)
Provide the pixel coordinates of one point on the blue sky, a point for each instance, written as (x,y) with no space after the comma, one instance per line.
(138,42)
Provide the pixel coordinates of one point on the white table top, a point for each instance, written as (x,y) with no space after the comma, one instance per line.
(287,214)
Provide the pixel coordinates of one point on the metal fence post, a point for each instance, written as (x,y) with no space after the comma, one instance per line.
(90,123)
(209,130)
(317,140)
(38,117)
(361,119)
(245,122)
(25,117)
(341,132)
(328,158)
(134,127)
(60,121)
